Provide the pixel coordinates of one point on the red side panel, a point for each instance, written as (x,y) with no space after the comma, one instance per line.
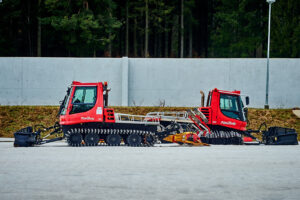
(207,112)
(109,115)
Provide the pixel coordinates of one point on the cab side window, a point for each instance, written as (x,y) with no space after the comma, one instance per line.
(78,96)
(84,99)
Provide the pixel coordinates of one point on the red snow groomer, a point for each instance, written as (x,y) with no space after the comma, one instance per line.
(222,121)
(86,120)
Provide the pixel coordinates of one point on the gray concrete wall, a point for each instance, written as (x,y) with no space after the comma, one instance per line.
(43,81)
(148,82)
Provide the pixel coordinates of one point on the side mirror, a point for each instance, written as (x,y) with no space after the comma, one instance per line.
(68,90)
(247,100)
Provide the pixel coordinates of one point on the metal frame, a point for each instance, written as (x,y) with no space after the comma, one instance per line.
(136,119)
(181,116)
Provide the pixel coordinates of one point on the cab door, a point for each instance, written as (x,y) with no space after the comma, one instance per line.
(84,106)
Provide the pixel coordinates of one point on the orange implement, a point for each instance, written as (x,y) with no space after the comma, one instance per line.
(185,138)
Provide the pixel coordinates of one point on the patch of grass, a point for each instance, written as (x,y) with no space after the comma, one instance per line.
(13,118)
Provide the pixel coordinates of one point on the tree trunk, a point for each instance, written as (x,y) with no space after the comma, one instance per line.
(134,38)
(127,31)
(28,28)
(174,39)
(109,36)
(141,43)
(182,29)
(39,36)
(159,45)
(109,48)
(259,51)
(155,44)
(166,39)
(191,41)
(39,31)
(146,29)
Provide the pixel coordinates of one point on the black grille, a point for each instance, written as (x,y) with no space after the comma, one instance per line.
(205,111)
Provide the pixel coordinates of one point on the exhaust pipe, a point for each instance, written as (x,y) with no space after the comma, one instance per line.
(202,98)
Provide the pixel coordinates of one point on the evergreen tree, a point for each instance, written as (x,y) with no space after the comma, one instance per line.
(82,31)
(237,29)
(285,31)
(155,28)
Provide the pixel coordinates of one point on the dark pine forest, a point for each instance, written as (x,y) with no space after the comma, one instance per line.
(149,28)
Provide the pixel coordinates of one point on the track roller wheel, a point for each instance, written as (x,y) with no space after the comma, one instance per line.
(113,140)
(74,139)
(149,140)
(134,140)
(91,139)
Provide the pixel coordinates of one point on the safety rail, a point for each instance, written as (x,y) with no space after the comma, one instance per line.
(199,122)
(136,119)
(171,116)
(200,113)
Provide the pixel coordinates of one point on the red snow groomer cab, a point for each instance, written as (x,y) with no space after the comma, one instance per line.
(226,109)
(226,116)
(86,103)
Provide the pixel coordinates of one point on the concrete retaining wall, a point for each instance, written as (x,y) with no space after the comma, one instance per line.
(149,82)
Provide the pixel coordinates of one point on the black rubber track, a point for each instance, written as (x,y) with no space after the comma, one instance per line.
(223,138)
(74,135)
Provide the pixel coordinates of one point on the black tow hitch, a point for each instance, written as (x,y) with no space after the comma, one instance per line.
(30,136)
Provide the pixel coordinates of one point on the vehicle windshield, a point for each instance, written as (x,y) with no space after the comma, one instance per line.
(231,106)
(64,103)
